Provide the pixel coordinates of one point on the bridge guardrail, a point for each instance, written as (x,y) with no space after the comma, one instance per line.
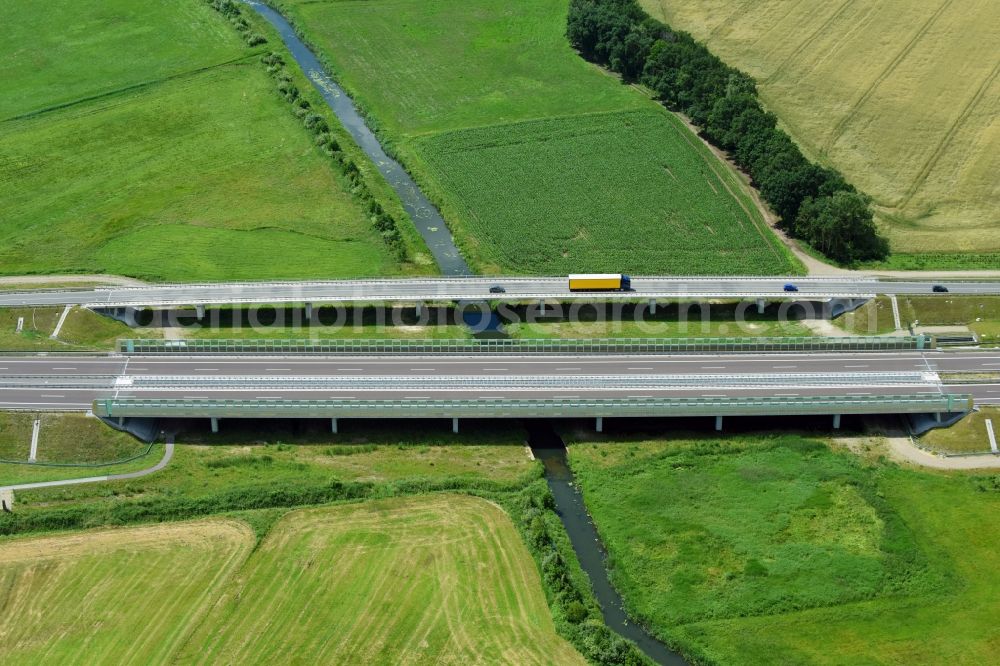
(523,346)
(528,408)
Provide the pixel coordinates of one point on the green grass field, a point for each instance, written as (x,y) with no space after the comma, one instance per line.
(179,164)
(540,162)
(607,192)
(900,95)
(967,436)
(125,596)
(82,330)
(440,579)
(775,549)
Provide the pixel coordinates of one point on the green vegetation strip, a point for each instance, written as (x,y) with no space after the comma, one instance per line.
(524,345)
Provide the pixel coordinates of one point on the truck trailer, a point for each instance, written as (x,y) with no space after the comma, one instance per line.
(600,282)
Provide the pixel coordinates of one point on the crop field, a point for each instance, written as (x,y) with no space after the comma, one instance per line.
(434,579)
(775,549)
(114,595)
(600,193)
(181,163)
(900,95)
(540,162)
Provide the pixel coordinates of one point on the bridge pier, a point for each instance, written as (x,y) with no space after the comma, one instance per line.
(652,306)
(309,312)
(419,309)
(199,310)
(760,306)
(600,424)
(333,425)
(454,425)
(718,423)
(836,421)
(215,424)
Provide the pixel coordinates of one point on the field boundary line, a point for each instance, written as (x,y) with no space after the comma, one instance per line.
(841,125)
(946,140)
(804,45)
(736,14)
(128,89)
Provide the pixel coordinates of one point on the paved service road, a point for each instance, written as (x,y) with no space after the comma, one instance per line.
(478,288)
(72,382)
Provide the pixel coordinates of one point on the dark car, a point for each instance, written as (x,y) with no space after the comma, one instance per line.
(940,289)
(791,287)
(497,289)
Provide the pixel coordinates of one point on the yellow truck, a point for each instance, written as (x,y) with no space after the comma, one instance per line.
(600,282)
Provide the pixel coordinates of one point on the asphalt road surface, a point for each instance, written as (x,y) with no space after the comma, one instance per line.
(66,382)
(478,288)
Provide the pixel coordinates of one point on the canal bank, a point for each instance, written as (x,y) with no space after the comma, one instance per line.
(425,216)
(548,447)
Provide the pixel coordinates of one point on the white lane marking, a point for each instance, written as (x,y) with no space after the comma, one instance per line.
(415,397)
(713,395)
(64,368)
(350,369)
(640,396)
(277,369)
(51,395)
(649,368)
(786,395)
(783,367)
(565,397)
(495,369)
(421,369)
(849,393)
(713,367)
(206,369)
(855,366)
(568,368)
(268,397)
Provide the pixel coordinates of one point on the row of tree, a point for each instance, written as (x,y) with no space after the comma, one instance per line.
(814,203)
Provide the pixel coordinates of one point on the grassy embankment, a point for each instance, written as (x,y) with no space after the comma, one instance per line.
(967,436)
(181,163)
(423,579)
(980,313)
(898,95)
(776,549)
(540,162)
(86,444)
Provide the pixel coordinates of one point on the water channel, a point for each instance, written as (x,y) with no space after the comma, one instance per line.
(548,447)
(545,443)
(425,216)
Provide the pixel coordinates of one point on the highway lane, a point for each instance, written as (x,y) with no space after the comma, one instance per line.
(478,288)
(486,365)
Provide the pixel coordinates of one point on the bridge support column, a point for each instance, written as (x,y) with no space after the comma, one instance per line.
(215,424)
(333,425)
(937,417)
(600,424)
(760,306)
(541,307)
(652,306)
(836,421)
(309,311)
(454,425)
(718,423)
(200,311)
(419,309)
(121,421)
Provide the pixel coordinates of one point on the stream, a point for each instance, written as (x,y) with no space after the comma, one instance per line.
(425,216)
(548,447)
(545,443)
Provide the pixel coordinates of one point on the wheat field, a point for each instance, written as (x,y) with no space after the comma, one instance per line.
(901,95)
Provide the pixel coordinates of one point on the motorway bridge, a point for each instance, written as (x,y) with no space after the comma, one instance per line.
(502,385)
(516,289)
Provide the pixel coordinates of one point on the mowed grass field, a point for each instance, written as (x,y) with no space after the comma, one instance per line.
(124,596)
(177,162)
(442,579)
(901,95)
(776,549)
(541,162)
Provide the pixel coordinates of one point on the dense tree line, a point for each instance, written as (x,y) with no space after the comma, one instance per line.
(814,203)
